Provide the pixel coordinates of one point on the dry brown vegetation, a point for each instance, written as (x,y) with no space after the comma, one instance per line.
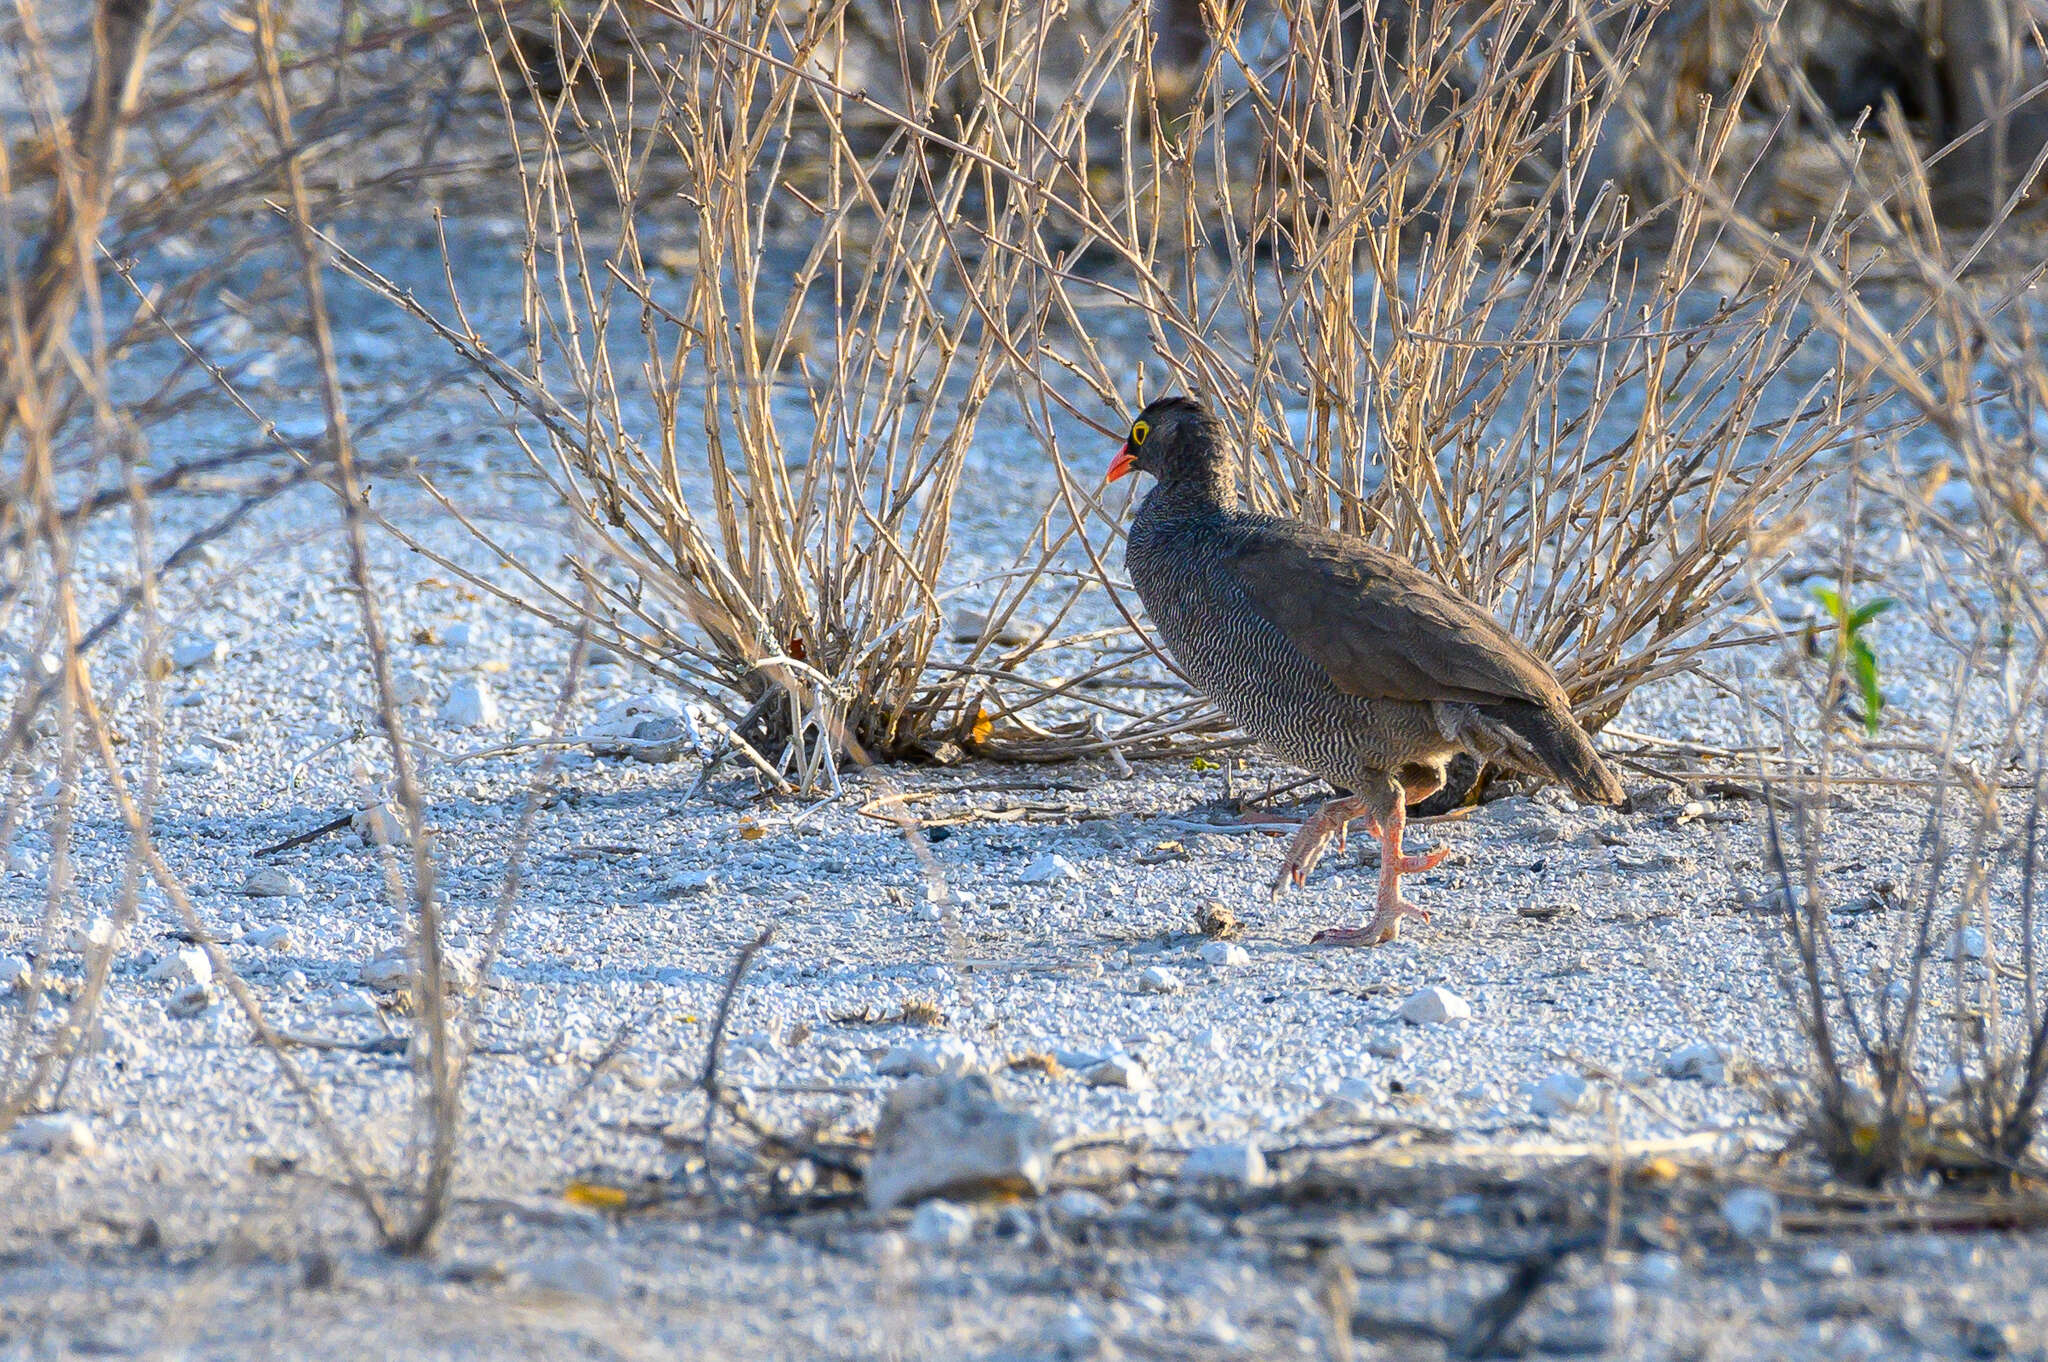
(110,165)
(1938,1059)
(1426,291)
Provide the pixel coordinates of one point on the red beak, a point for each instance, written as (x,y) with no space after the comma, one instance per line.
(1124,462)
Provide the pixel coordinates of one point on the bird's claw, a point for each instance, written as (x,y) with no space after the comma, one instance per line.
(1412,865)
(1346,936)
(1384,927)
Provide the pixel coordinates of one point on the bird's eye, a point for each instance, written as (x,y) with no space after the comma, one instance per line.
(1139,430)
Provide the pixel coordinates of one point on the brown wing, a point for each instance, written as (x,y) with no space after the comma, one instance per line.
(1379,626)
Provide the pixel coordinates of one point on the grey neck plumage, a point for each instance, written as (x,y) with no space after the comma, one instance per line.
(1197,486)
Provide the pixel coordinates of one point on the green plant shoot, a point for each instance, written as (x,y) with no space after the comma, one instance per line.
(1853,650)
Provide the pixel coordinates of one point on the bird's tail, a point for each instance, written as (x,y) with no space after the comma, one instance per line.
(1552,741)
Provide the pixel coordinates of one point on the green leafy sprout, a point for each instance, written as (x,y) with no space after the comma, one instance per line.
(1853,650)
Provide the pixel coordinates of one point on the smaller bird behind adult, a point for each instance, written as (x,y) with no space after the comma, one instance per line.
(1338,656)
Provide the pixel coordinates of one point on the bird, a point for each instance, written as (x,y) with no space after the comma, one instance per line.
(1342,658)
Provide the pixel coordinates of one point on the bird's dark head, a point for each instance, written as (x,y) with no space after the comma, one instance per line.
(1177,441)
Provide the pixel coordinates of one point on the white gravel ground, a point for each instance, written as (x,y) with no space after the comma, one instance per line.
(208,1220)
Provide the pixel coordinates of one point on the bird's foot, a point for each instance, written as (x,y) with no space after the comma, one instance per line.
(1307,847)
(1302,854)
(1344,834)
(1384,927)
(1429,860)
(1292,872)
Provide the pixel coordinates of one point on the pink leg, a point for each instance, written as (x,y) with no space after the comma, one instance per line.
(1307,847)
(1392,908)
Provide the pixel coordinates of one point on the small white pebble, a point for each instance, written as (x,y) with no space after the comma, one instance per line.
(1860,1341)
(1699,1061)
(585,1275)
(387,973)
(268,938)
(470,704)
(353,1002)
(194,761)
(929,1055)
(1827,1262)
(1224,954)
(1076,1334)
(1159,979)
(1076,1204)
(1751,1213)
(1658,1270)
(941,1224)
(59,1135)
(1241,1164)
(269,882)
(1558,1094)
(1967,944)
(1434,1006)
(1051,868)
(1119,1071)
(197,650)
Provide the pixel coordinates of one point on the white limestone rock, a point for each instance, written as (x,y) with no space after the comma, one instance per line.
(942,1225)
(640,728)
(1697,1061)
(954,1136)
(1159,979)
(1752,1214)
(1051,868)
(930,1056)
(59,1135)
(193,651)
(1118,1071)
(1434,1006)
(1241,1164)
(470,704)
(1558,1095)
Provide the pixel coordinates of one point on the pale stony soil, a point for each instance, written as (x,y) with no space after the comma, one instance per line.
(209,1224)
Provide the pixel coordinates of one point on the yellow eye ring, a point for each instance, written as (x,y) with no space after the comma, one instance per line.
(1139,430)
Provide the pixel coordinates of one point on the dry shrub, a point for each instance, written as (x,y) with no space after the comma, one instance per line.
(154,146)
(1930,1052)
(1935,1055)
(819,344)
(783,258)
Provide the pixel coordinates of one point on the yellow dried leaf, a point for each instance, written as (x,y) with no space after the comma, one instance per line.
(1038,1062)
(983,726)
(1660,1169)
(597,1196)
(752,832)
